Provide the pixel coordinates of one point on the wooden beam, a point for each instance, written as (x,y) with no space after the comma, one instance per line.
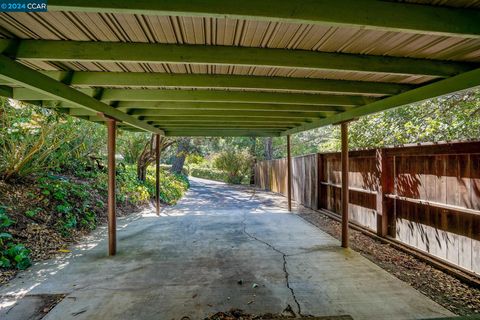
(211,128)
(222,133)
(155,80)
(239,120)
(225,126)
(112,220)
(224,96)
(289,175)
(147,113)
(461,82)
(345,191)
(115,52)
(365,14)
(233,118)
(232,96)
(129,106)
(6,92)
(44,85)
(434,204)
(230,121)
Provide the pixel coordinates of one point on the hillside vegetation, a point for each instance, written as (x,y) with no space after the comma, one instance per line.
(53,182)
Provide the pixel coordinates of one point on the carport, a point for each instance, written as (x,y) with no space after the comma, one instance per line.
(229,68)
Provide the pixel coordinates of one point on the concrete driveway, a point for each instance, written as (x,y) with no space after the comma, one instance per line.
(220,247)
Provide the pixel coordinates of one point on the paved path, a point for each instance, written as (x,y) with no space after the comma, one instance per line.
(188,263)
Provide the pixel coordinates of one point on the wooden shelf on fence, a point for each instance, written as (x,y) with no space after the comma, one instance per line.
(434,204)
(349,188)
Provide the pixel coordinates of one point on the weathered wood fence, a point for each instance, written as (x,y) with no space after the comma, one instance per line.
(426,196)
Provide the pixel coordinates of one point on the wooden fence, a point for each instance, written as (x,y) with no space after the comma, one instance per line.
(426,196)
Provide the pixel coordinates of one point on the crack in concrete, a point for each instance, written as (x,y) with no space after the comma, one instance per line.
(284,256)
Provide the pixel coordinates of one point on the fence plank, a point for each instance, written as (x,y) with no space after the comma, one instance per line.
(434,193)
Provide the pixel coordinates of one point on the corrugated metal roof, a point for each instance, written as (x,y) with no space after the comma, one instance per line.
(222,69)
(233,32)
(447,3)
(137,28)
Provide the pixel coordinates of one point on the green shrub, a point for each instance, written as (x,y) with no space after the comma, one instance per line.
(130,189)
(202,171)
(32,212)
(12,255)
(34,139)
(172,186)
(235,163)
(71,201)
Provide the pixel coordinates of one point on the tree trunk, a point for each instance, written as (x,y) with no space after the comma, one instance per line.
(183,148)
(268,148)
(147,157)
(254,160)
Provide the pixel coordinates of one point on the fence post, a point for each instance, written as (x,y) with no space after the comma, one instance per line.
(319,181)
(384,207)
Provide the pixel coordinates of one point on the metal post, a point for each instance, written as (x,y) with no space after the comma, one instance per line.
(157,174)
(112,224)
(289,175)
(345,199)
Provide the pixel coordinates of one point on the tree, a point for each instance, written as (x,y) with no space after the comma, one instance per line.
(148,155)
(236,163)
(252,150)
(132,144)
(184,147)
(268,153)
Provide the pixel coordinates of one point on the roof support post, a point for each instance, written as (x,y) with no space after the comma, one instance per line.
(112,223)
(345,200)
(157,173)
(289,175)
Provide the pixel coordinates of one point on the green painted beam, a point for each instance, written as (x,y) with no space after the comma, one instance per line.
(461,82)
(150,79)
(120,95)
(6,92)
(232,96)
(151,105)
(214,116)
(225,113)
(204,119)
(45,85)
(222,133)
(366,14)
(29,94)
(227,126)
(265,128)
(222,55)
(230,121)
(146,114)
(81,79)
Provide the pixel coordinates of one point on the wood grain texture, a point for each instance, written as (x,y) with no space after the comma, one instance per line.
(445,174)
